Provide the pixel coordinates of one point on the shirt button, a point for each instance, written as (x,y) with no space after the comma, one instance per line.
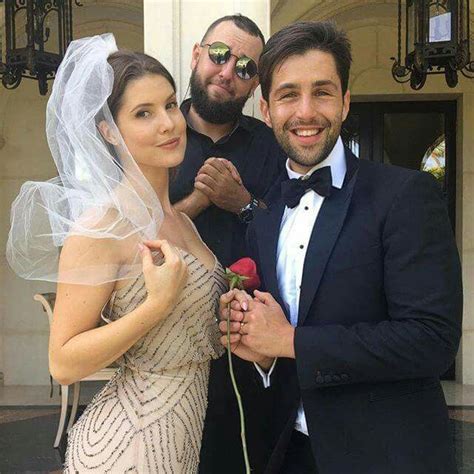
(301,246)
(306,208)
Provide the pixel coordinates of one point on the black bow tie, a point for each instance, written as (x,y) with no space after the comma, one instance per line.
(293,189)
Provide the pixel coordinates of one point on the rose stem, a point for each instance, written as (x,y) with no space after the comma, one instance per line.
(237,393)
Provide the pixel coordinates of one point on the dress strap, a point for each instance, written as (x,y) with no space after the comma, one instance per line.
(108,307)
(194,227)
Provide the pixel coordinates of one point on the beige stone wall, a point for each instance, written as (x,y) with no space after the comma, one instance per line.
(372,28)
(24,155)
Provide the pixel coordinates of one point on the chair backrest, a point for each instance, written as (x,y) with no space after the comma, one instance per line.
(47,300)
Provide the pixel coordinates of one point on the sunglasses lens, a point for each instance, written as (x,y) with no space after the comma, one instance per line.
(246,68)
(219,53)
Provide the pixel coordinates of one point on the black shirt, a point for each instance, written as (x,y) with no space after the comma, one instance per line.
(254,151)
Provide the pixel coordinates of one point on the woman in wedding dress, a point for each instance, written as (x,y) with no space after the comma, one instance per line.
(136,284)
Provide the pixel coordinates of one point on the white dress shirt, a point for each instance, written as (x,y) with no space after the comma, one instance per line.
(295,231)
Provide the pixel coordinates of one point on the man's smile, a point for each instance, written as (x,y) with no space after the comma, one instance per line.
(307,135)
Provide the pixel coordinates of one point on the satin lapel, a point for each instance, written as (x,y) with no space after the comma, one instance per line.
(326,229)
(267,232)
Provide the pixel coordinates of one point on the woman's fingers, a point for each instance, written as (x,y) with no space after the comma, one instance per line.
(234,338)
(236,316)
(169,251)
(244,300)
(154,244)
(234,327)
(147,258)
(226,298)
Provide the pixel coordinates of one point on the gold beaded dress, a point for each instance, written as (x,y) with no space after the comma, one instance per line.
(149,418)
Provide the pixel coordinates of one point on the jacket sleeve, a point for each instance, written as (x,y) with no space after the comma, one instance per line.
(252,249)
(263,382)
(419,335)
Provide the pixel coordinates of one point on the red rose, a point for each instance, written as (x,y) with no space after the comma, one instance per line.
(243,274)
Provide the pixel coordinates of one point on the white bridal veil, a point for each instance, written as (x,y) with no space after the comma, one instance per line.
(100,192)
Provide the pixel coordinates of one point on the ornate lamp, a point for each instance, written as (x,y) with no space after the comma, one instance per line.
(437,41)
(36,51)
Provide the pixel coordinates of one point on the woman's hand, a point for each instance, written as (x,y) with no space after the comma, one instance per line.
(240,301)
(163,282)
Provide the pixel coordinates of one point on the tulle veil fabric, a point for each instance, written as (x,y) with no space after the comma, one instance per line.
(99,193)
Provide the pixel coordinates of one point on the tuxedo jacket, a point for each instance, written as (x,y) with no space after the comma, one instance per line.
(379,320)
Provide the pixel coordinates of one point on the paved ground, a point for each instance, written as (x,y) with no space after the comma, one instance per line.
(27,433)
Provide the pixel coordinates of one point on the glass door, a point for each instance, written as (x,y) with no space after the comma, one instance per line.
(415,135)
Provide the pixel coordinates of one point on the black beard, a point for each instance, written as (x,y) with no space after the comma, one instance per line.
(316,157)
(311,160)
(213,111)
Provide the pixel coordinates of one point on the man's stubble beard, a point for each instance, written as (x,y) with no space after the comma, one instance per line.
(213,111)
(310,158)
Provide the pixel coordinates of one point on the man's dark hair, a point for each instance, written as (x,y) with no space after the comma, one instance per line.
(240,21)
(297,39)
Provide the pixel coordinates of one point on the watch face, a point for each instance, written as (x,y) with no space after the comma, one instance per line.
(246,216)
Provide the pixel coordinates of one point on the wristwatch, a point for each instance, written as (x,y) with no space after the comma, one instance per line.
(246,213)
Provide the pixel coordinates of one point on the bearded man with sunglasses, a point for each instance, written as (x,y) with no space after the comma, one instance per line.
(231,161)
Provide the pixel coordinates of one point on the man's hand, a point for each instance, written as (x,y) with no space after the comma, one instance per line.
(258,327)
(235,337)
(220,181)
(193,204)
(265,329)
(200,199)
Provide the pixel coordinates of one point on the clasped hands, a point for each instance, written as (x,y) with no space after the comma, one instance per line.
(259,330)
(219,181)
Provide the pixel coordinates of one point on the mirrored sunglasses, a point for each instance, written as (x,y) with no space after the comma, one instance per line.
(219,53)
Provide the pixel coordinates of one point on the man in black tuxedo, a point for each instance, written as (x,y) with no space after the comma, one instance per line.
(363,300)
